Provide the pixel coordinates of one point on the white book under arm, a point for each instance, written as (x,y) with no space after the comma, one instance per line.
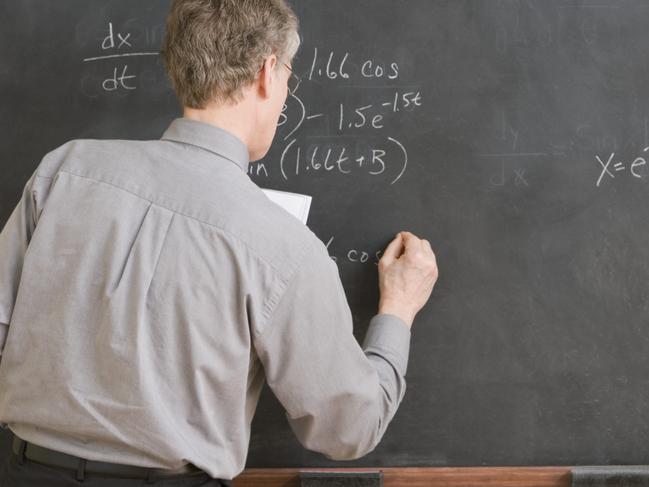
(296,204)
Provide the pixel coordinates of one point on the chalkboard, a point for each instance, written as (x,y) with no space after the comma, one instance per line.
(512,134)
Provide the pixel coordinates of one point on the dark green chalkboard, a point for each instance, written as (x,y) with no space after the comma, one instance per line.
(509,133)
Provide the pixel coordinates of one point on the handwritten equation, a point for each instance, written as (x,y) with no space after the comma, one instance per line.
(354,138)
(583,143)
(609,168)
(336,158)
(116,50)
(333,66)
(353,256)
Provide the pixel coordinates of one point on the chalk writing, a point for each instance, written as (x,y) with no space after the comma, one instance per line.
(115,46)
(516,175)
(336,158)
(360,154)
(511,155)
(258,169)
(334,66)
(115,82)
(609,168)
(354,256)
(366,115)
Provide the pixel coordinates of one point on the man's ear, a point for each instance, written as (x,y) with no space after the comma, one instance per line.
(266,78)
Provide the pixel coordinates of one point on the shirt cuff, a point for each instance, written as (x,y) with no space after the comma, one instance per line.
(389,337)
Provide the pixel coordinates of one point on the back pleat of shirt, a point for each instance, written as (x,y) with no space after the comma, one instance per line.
(142,258)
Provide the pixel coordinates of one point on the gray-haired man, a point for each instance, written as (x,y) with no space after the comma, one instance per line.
(145,298)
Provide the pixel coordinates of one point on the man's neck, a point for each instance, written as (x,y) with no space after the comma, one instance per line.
(231,118)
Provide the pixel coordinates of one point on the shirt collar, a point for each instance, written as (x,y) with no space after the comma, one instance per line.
(209,137)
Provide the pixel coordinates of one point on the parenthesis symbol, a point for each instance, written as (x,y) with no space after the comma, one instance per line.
(281,162)
(301,119)
(405,161)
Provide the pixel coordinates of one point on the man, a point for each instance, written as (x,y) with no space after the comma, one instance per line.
(147,288)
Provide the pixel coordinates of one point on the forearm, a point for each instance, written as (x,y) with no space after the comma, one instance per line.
(339,396)
(363,418)
(387,347)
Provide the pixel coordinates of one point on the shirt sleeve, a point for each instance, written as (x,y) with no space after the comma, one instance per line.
(14,240)
(339,397)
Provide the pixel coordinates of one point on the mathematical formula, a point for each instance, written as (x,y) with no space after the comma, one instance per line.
(115,75)
(385,156)
(609,168)
(334,158)
(333,66)
(354,256)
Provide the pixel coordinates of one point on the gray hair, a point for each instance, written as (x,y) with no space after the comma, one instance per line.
(213,48)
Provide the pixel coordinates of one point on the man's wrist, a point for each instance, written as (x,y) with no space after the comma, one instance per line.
(402,312)
(389,337)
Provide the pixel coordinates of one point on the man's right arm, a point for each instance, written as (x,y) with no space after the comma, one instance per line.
(339,397)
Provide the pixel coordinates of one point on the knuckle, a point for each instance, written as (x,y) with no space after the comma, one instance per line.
(417,256)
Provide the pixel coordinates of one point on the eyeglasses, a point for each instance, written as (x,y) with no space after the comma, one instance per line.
(294,81)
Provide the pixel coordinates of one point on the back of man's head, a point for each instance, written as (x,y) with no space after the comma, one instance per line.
(214,48)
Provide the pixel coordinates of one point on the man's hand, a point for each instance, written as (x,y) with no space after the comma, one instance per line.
(407,274)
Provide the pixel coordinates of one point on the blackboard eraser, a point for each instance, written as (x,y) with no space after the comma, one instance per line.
(341,479)
(611,476)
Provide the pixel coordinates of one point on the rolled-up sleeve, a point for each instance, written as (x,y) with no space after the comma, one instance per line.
(14,240)
(339,397)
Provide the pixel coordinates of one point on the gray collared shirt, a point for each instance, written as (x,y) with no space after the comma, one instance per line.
(147,290)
